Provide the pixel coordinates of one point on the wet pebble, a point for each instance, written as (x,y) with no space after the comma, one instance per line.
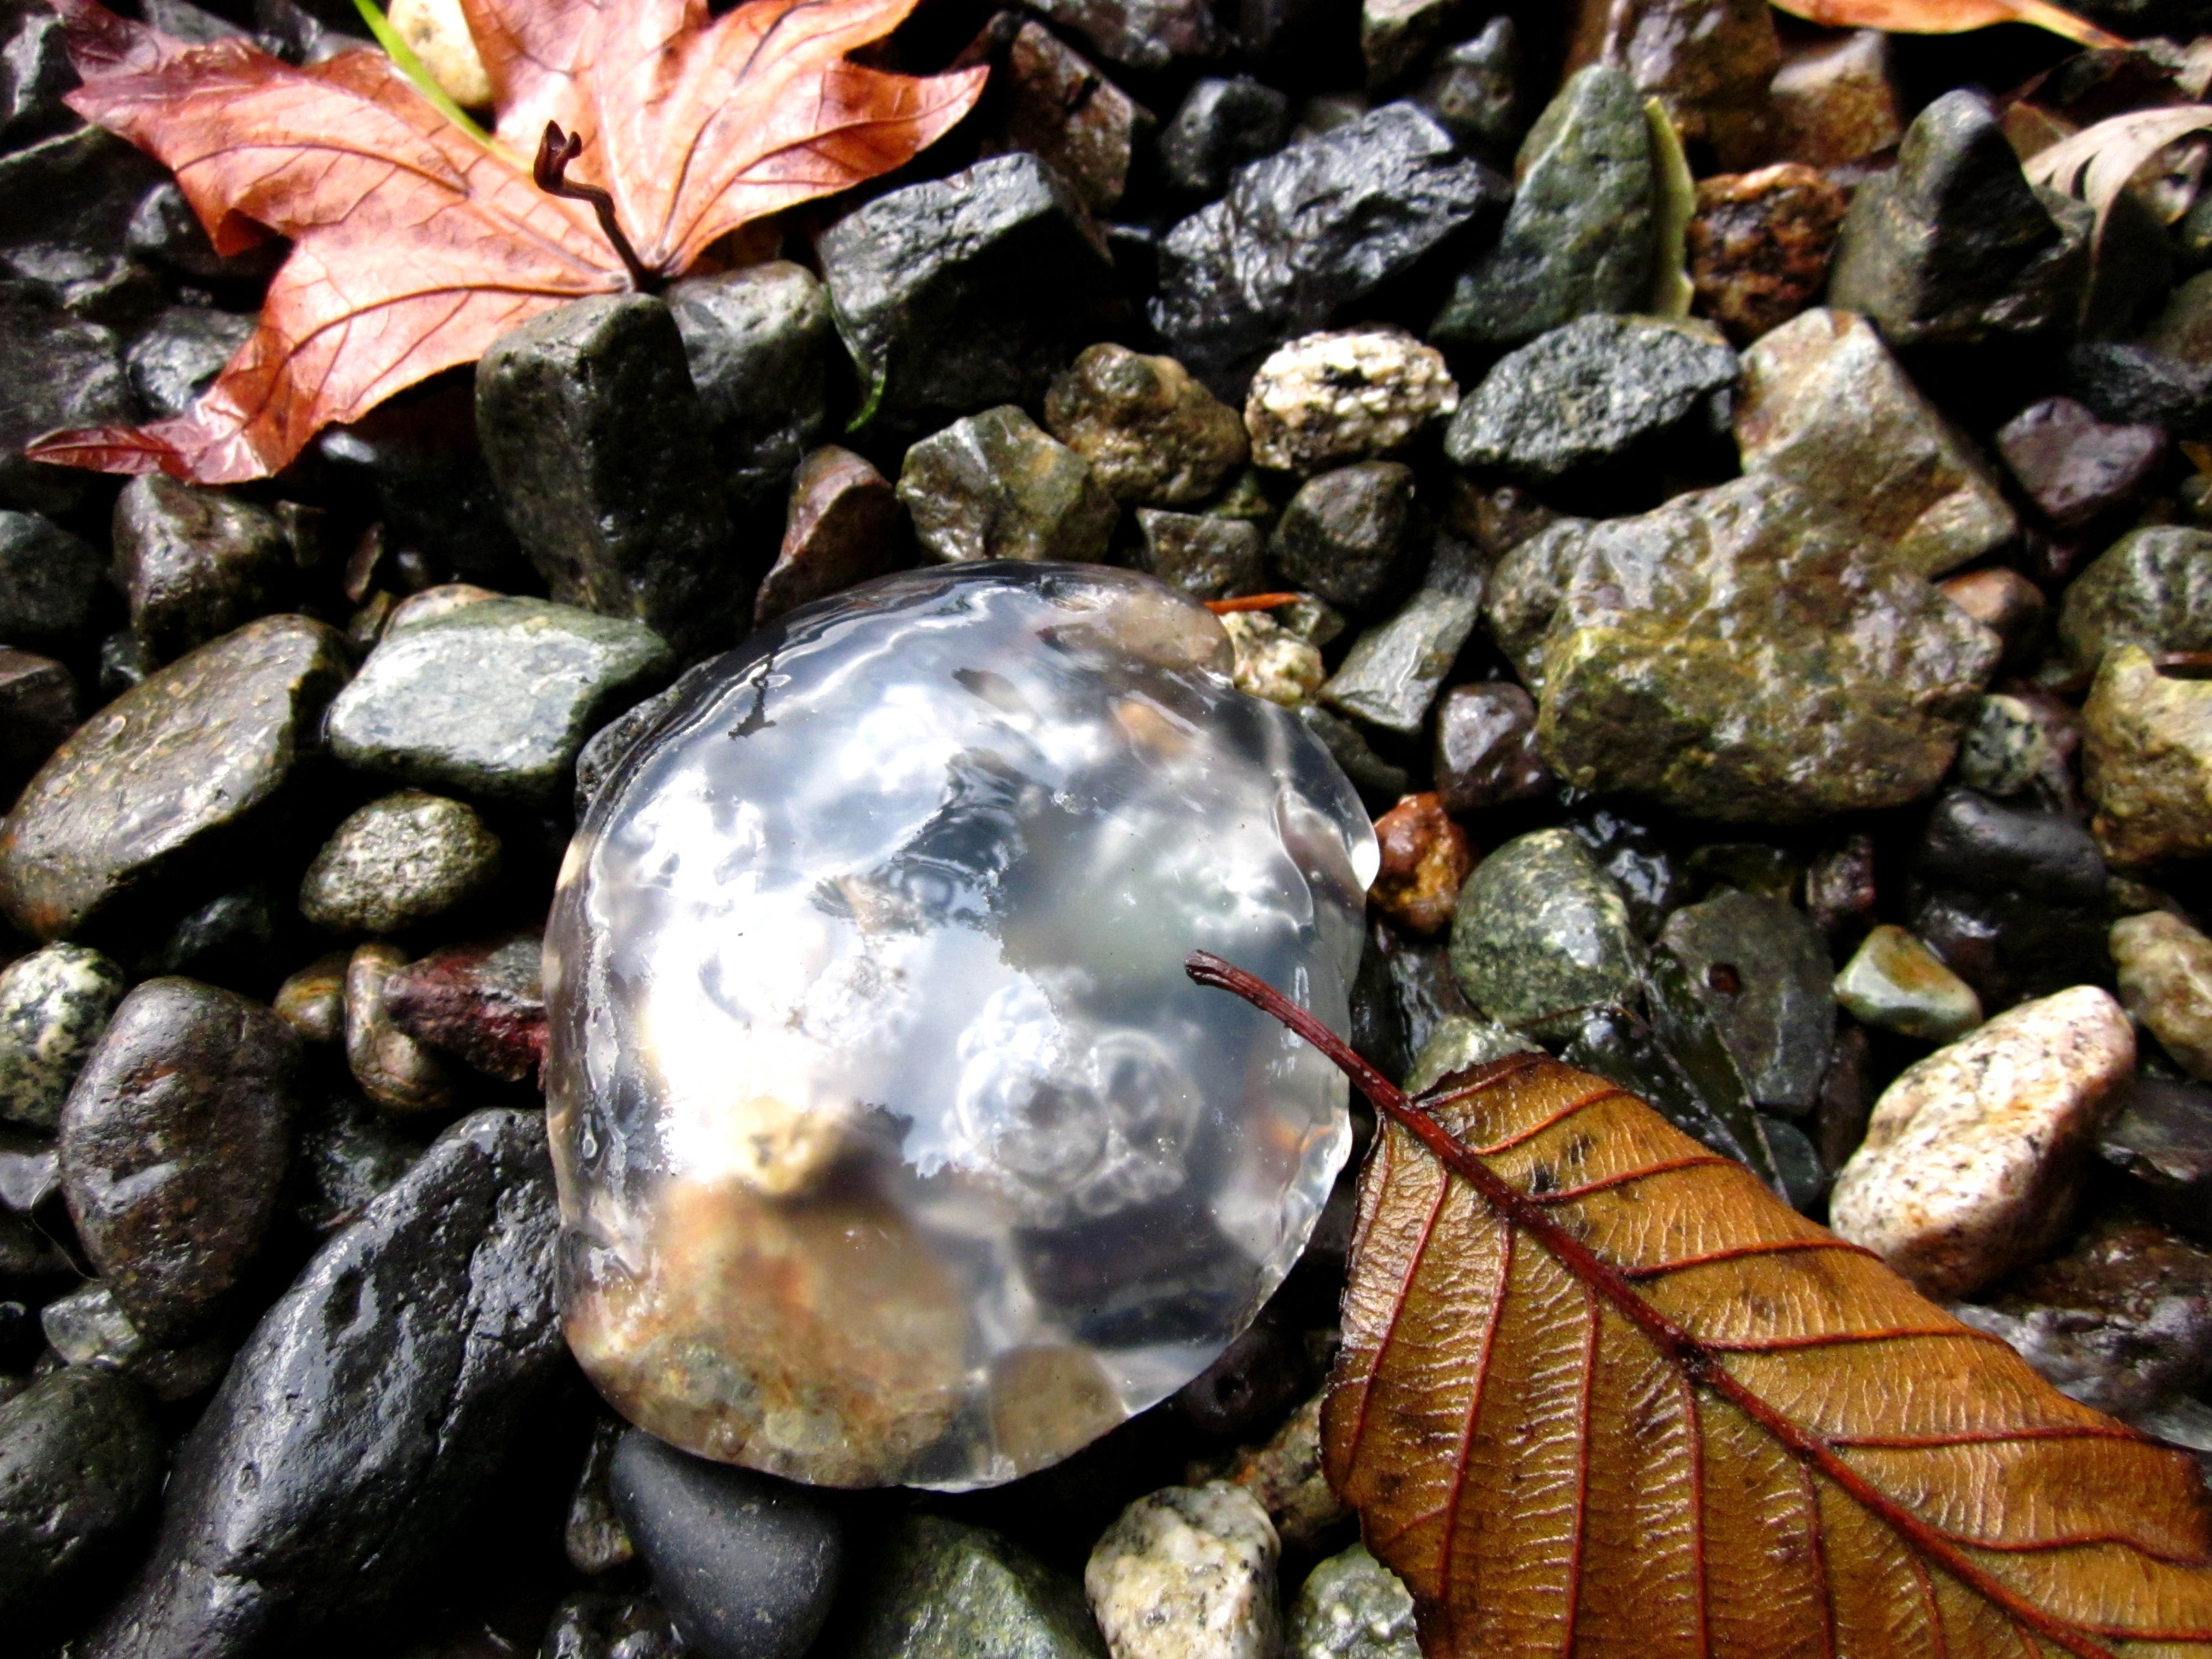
(1758,244)
(398,862)
(1541,933)
(1345,395)
(1352,1607)
(392,1068)
(54,1005)
(1347,534)
(2165,969)
(843,525)
(1187,1573)
(80,1460)
(1425,858)
(483,1002)
(1895,983)
(995,486)
(945,1590)
(1152,435)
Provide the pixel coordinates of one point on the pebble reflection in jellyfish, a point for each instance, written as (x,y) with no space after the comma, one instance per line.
(894,1145)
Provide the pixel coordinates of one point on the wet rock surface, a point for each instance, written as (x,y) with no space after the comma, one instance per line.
(376,1398)
(80,1461)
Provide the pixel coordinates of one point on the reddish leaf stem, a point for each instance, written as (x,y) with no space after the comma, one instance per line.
(551,172)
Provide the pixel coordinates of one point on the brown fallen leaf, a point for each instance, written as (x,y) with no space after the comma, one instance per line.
(1601,1393)
(1947,16)
(2096,163)
(414,245)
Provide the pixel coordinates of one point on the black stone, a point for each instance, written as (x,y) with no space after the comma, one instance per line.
(174,1145)
(415,464)
(2161,1134)
(1650,876)
(164,232)
(1149,34)
(1761,970)
(597,760)
(1221,125)
(54,372)
(966,291)
(600,1624)
(1954,246)
(597,443)
(1972,841)
(176,355)
(1346,535)
(48,583)
(373,1401)
(79,1461)
(348,1153)
(193,564)
(1380,782)
(1309,231)
(1474,89)
(2135,385)
(1485,749)
(757,341)
(747,1564)
(1619,1046)
(1203,556)
(34,74)
(2012,944)
(65,208)
(1403,991)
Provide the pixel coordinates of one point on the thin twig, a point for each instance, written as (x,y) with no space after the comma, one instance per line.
(550,171)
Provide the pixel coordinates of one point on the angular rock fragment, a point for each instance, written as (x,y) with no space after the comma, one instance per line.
(843,526)
(483,1002)
(994,486)
(2147,765)
(757,342)
(1151,432)
(1344,396)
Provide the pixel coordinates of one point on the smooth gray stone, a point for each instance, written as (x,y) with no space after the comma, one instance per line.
(1541,934)
(79,1461)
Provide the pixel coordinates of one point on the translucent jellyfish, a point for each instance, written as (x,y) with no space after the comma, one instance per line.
(894,1145)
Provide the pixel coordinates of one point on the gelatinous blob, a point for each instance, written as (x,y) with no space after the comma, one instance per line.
(894,1144)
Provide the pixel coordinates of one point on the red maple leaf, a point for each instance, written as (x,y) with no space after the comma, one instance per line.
(414,245)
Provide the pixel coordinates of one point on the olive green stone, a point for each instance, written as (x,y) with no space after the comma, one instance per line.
(994,486)
(1580,234)
(2152,588)
(1741,655)
(1895,983)
(172,768)
(948,1591)
(494,700)
(1352,1606)
(398,862)
(1541,934)
(2165,982)
(2146,761)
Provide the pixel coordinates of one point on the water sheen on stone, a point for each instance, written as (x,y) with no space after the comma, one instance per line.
(894,1144)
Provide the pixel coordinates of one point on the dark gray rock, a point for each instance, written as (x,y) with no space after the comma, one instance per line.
(1592,392)
(1474,90)
(747,1564)
(597,442)
(55,371)
(38,710)
(398,862)
(599,757)
(1205,556)
(2010,943)
(1308,231)
(483,1002)
(194,564)
(758,342)
(2135,385)
(949,1591)
(494,700)
(164,232)
(1762,972)
(1394,671)
(1380,782)
(1221,125)
(227,939)
(2122,1322)
(48,583)
(600,1624)
(79,1461)
(2153,587)
(995,486)
(170,773)
(1347,534)
(372,1404)
(1541,934)
(1147,34)
(415,465)
(1403,994)
(65,208)
(174,1146)
(34,74)
(30,1261)
(1986,848)
(1616,1043)
(174,357)
(2161,1134)
(348,1153)
(965,291)
(844,524)
(1579,236)
(1955,245)
(1485,747)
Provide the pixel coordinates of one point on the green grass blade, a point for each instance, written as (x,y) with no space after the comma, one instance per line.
(424,83)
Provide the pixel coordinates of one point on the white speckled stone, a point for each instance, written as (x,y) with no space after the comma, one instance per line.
(895,1145)
(1341,395)
(1352,1606)
(1971,1160)
(1187,1573)
(54,1004)
(1270,660)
